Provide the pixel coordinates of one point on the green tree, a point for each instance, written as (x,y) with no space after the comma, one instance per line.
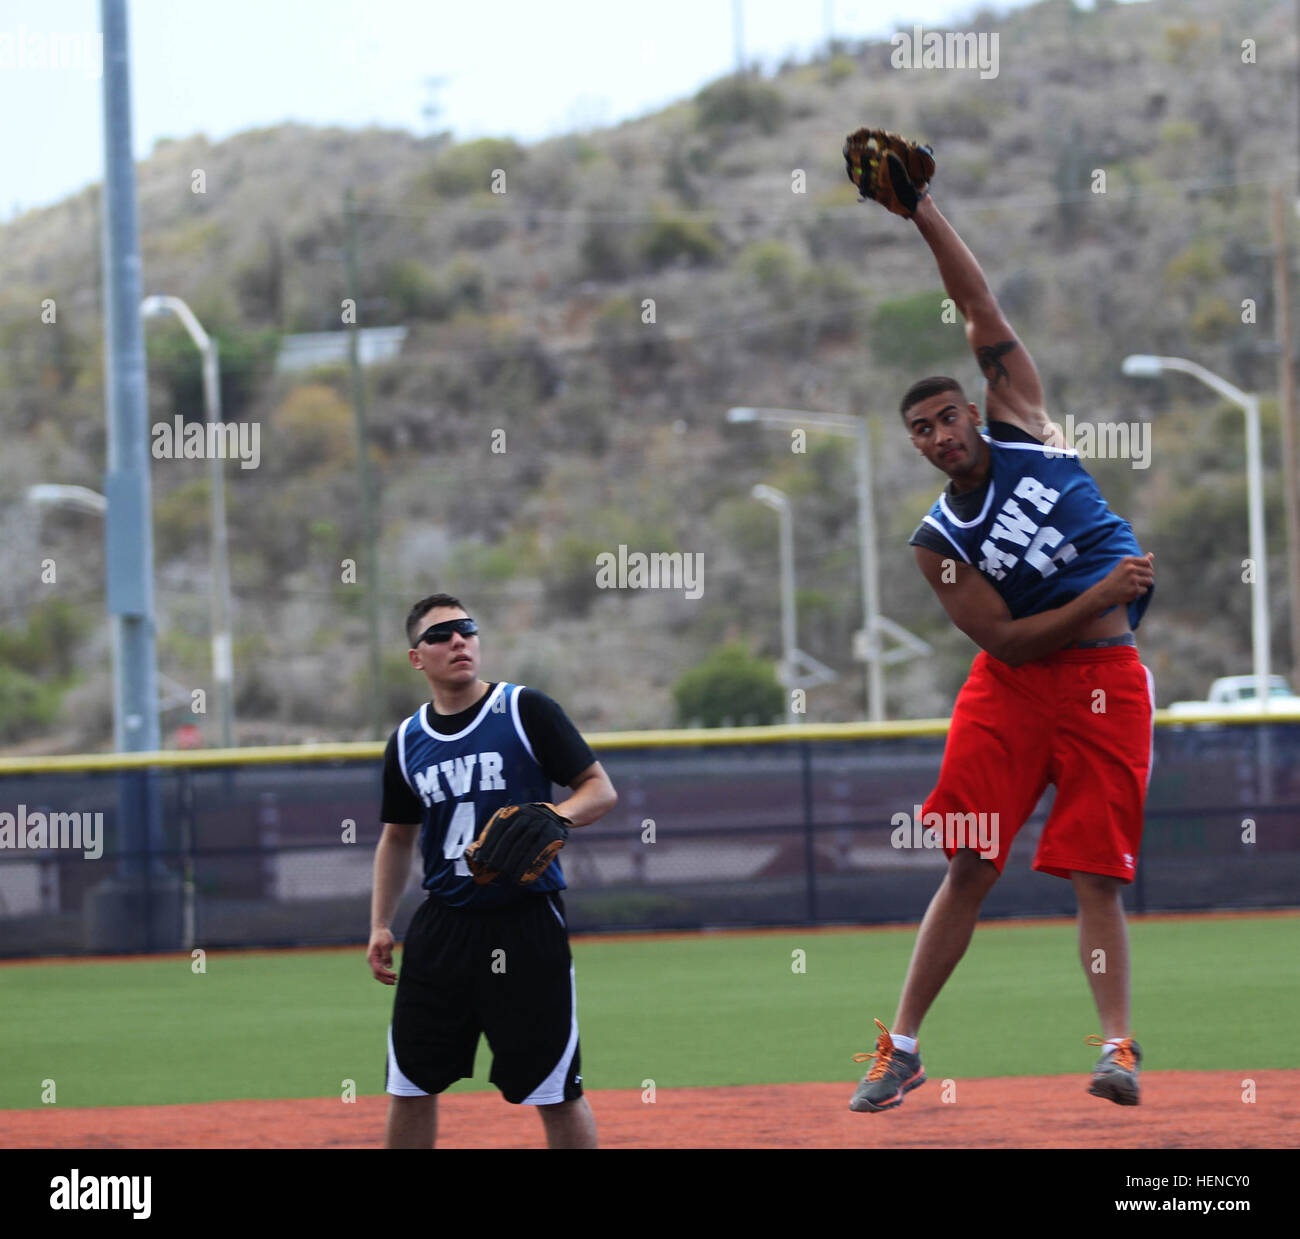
(42,645)
(730,687)
(412,290)
(469,167)
(606,246)
(246,359)
(674,238)
(740,101)
(25,704)
(911,332)
(33,667)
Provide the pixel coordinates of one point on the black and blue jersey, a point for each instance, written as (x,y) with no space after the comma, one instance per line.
(450,773)
(1038,528)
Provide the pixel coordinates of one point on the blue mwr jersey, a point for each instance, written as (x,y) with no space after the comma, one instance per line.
(1038,529)
(461,779)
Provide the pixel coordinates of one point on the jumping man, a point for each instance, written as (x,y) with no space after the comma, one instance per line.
(1030,563)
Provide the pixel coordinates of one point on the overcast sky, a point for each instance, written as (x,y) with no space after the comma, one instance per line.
(515,67)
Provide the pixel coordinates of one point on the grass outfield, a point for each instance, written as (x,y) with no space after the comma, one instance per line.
(713,1009)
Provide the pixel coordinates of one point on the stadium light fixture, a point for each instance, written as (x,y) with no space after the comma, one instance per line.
(80,498)
(1143,365)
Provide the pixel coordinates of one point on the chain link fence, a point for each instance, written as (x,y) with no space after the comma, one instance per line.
(803,828)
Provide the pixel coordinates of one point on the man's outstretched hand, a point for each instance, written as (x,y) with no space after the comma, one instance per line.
(888,169)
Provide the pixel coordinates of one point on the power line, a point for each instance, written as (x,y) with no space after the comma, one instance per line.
(802,204)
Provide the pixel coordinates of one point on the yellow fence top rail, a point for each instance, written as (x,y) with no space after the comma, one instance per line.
(611,741)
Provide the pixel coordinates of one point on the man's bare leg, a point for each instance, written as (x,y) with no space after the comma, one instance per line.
(412,1122)
(1102,929)
(569,1125)
(944,936)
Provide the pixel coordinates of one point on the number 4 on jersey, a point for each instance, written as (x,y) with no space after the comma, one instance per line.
(460,834)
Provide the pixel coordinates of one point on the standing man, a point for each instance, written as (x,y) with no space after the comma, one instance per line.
(1030,563)
(483,954)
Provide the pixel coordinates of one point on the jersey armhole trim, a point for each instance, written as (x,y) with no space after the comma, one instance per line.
(401,751)
(1047,449)
(518,723)
(929,520)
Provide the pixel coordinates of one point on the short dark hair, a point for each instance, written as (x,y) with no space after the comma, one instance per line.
(923,389)
(422,608)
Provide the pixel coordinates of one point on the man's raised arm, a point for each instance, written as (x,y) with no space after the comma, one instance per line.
(1015,393)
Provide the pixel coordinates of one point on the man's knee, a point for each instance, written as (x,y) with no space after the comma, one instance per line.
(970,874)
(425,1101)
(412,1122)
(1097,887)
(562,1107)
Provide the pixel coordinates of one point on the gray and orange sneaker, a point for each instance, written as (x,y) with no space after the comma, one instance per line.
(893,1074)
(1115,1077)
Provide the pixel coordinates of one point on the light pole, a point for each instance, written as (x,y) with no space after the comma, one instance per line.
(873,623)
(1145,366)
(792,657)
(223,670)
(778,502)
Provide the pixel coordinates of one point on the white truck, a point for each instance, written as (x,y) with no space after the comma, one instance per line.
(1235,694)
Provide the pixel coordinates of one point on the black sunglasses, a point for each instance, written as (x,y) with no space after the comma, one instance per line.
(439,634)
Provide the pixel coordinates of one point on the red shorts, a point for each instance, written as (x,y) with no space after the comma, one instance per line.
(1080,719)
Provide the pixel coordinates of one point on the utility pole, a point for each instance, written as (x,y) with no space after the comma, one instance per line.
(370,569)
(128,911)
(1287,414)
(129,521)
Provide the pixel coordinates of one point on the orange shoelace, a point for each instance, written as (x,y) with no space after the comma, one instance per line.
(882,1054)
(1125,1059)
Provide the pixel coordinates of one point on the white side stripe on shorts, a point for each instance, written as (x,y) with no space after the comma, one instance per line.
(551,1090)
(1151,751)
(397,1084)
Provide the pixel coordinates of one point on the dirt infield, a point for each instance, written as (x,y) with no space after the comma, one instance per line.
(1180,1109)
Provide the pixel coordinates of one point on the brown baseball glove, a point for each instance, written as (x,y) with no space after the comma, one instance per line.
(888,169)
(519,841)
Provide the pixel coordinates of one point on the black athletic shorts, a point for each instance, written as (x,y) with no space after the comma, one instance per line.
(506,973)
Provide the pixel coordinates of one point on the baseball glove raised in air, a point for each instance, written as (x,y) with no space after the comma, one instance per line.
(518,842)
(888,169)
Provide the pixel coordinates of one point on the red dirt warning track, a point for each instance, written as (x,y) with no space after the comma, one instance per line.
(1180,1109)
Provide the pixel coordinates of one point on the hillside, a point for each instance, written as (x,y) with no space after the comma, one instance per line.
(527,309)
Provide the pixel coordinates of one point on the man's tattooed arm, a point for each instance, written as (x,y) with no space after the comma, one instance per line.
(1014,391)
(990,361)
(1029,415)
